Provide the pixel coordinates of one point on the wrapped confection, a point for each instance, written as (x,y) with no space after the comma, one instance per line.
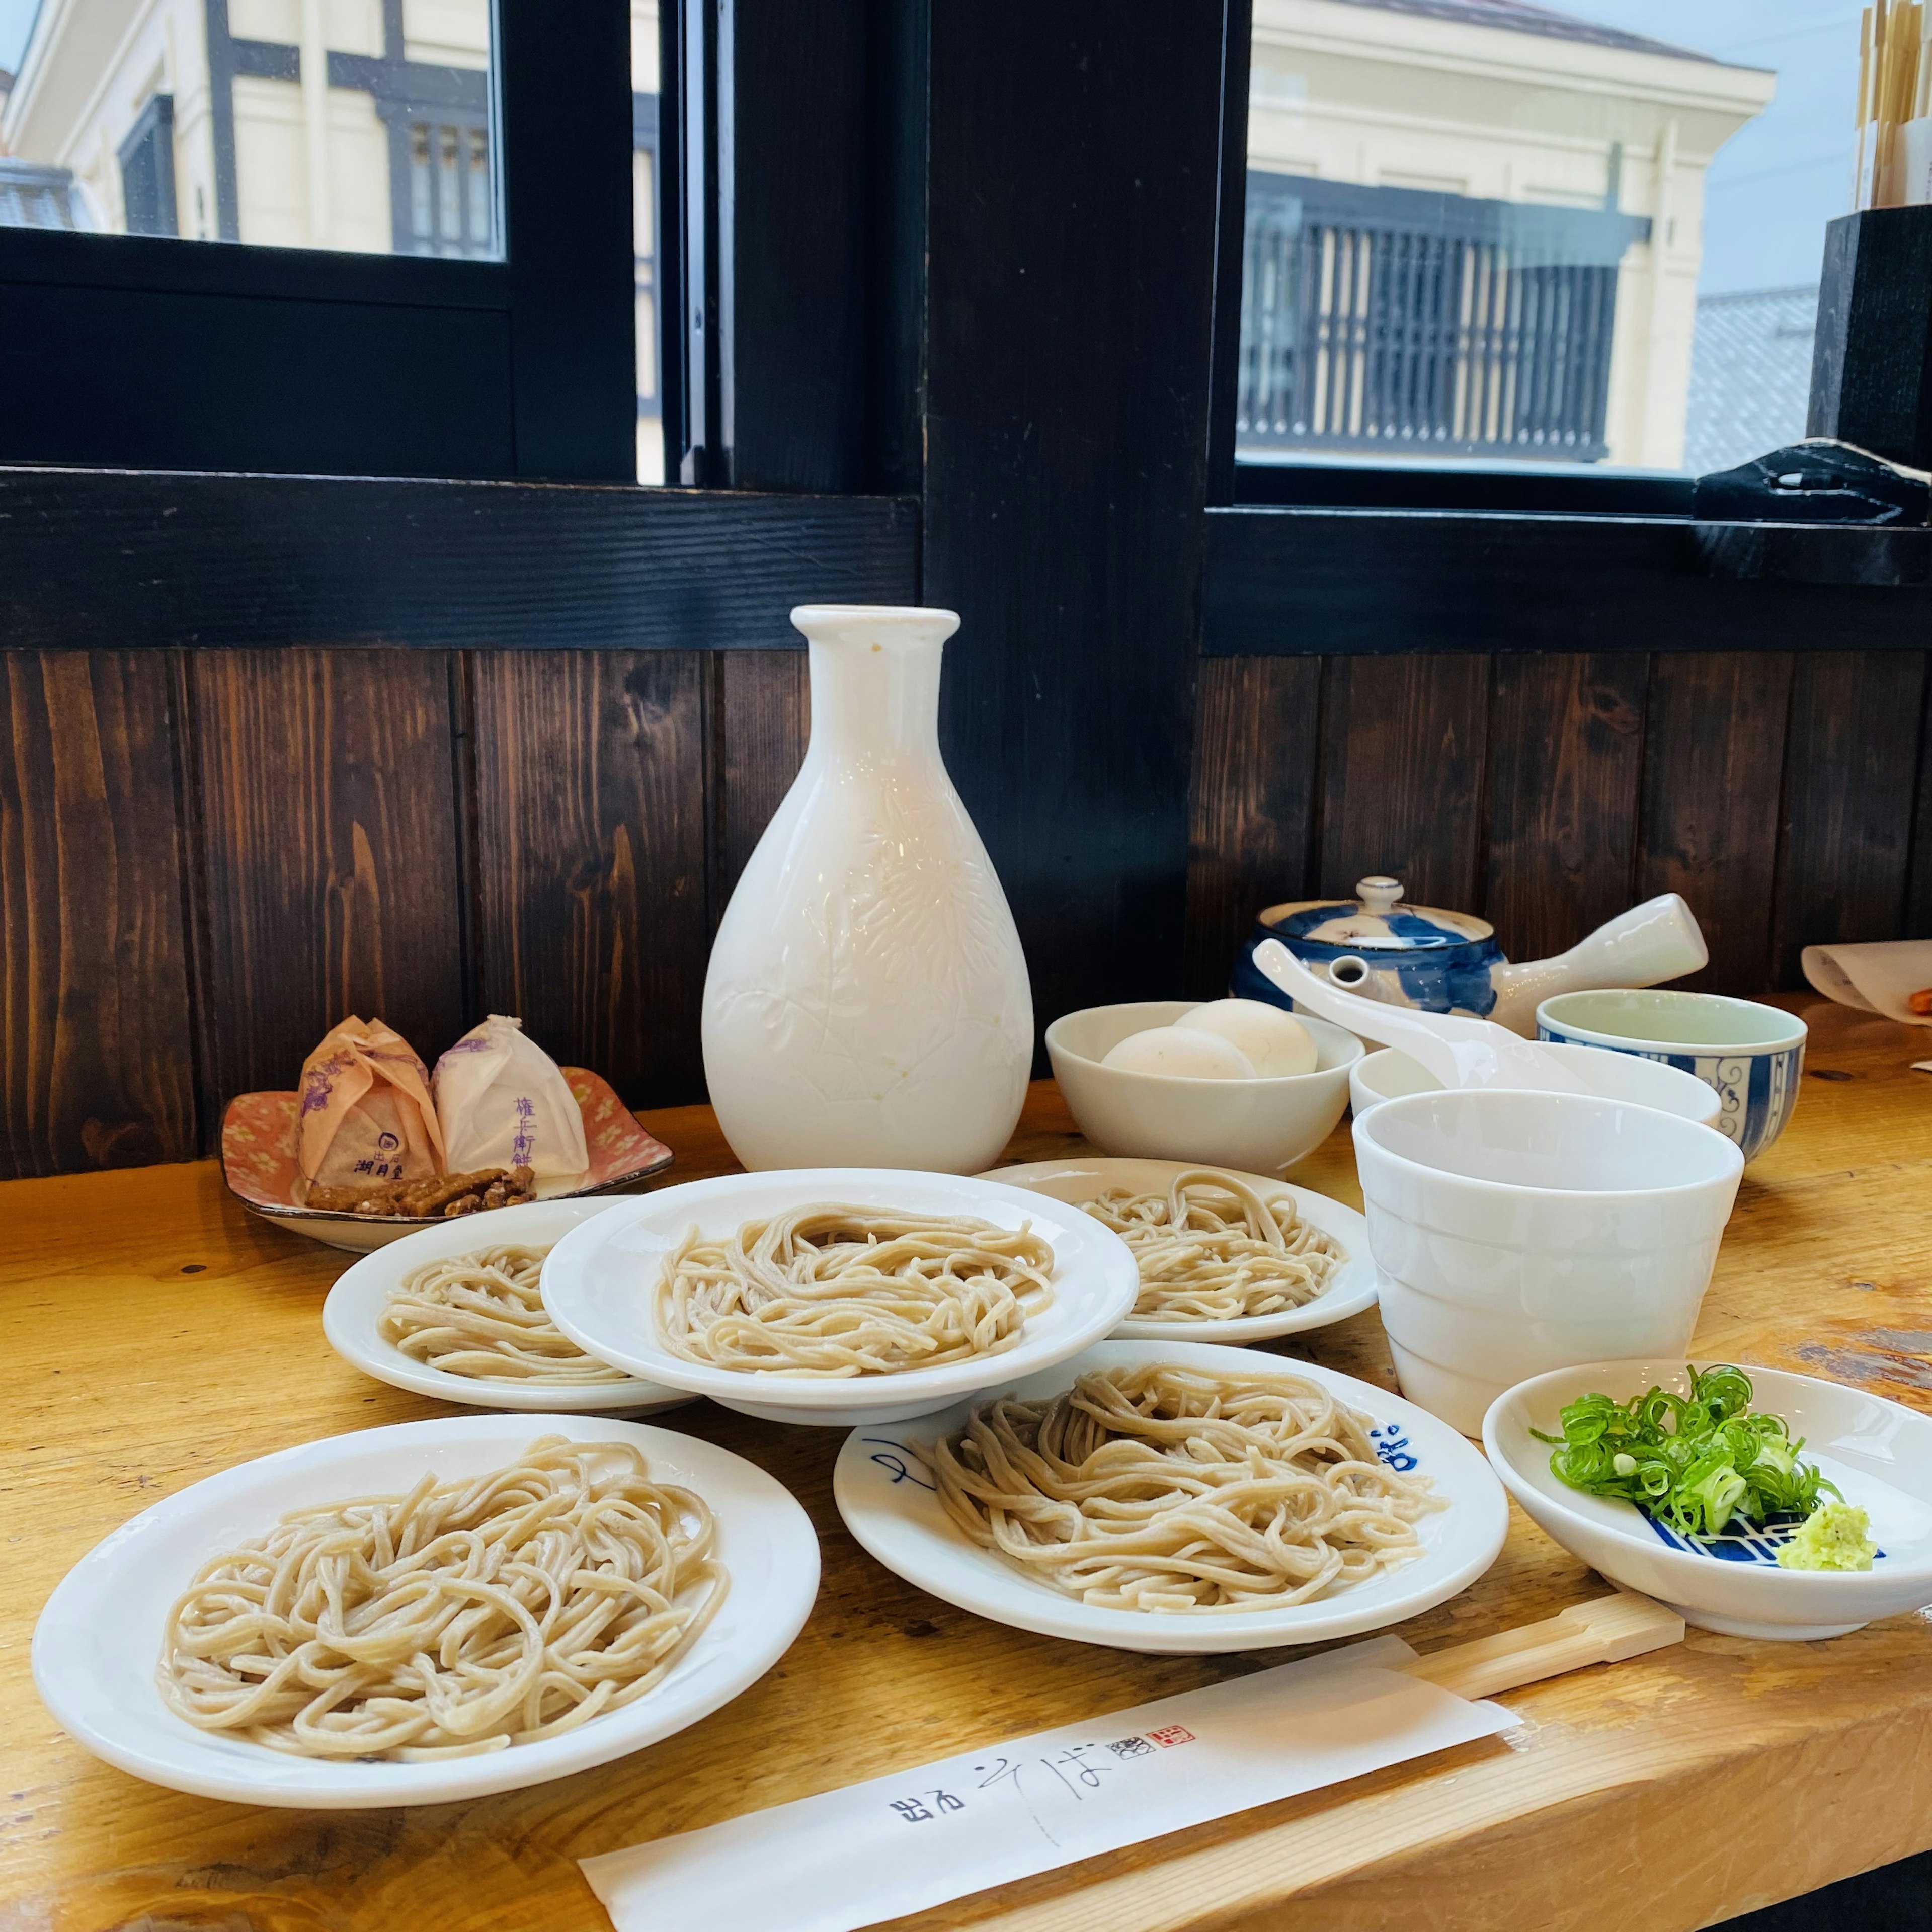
(502,1102)
(367,1116)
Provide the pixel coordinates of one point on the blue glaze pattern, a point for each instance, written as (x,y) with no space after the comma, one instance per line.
(1446,974)
(1749,1545)
(1756,1090)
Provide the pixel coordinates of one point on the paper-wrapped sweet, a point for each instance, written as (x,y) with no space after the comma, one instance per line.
(367,1115)
(502,1102)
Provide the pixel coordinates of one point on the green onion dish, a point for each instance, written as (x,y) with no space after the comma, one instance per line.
(1695,1463)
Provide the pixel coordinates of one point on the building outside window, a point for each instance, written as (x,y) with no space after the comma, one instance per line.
(1474,229)
(356,125)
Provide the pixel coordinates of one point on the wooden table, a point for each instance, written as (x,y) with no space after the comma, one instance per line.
(156,1333)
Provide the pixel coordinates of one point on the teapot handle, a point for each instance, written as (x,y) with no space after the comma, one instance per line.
(1650,943)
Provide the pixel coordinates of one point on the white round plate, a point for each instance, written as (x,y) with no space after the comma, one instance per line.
(1352,1289)
(1878,1452)
(886,1496)
(600,1281)
(97,1641)
(356,1304)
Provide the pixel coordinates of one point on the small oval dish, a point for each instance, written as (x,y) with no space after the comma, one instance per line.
(885,1495)
(599,1285)
(351,1316)
(1350,1290)
(1878,1452)
(258,1163)
(97,1642)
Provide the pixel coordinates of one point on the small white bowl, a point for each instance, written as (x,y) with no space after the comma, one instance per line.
(350,1315)
(97,1641)
(1750,1056)
(1879,1453)
(1388,1072)
(1351,1288)
(1256,1126)
(599,1286)
(1519,1232)
(889,1503)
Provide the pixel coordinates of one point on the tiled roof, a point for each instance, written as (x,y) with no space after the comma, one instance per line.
(1517,16)
(1750,377)
(35,196)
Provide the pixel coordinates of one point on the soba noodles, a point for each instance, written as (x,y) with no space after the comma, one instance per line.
(480,1314)
(1211,1249)
(464,1617)
(828,1290)
(1166,1489)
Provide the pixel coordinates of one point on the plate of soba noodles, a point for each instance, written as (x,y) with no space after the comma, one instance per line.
(1177,1497)
(838,1295)
(456,1311)
(433,1611)
(1223,1256)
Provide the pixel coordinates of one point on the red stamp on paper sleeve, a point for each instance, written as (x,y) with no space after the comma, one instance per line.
(1174,1734)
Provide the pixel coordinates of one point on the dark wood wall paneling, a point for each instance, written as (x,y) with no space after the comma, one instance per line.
(209,856)
(1776,790)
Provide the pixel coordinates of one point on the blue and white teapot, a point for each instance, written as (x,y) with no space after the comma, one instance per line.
(1449,962)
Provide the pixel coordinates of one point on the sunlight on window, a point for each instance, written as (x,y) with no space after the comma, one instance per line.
(350,124)
(1481,230)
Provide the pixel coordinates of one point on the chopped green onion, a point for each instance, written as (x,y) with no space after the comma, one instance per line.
(1695,1463)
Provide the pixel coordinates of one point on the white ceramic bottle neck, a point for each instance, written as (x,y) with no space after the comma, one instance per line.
(875,697)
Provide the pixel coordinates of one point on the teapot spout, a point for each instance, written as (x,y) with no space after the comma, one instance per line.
(1653,942)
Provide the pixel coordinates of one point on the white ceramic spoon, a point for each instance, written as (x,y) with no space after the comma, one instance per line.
(1459,1052)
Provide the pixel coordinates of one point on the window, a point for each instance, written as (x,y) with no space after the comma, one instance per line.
(1486,234)
(363,125)
(646,175)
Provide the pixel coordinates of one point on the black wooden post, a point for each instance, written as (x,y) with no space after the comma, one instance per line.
(1055,285)
(1871,370)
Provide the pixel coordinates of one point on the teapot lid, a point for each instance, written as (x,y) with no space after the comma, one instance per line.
(1373,921)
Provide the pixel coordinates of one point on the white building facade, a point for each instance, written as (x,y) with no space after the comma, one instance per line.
(1493,102)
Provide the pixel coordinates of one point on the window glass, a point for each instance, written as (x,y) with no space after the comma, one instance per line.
(1484,232)
(358,125)
(646,228)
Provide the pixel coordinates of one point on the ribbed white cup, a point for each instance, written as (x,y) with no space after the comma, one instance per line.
(1519,1232)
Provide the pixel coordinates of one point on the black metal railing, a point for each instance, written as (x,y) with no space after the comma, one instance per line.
(1405,323)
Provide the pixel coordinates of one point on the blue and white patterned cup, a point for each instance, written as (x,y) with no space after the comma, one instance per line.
(1750,1055)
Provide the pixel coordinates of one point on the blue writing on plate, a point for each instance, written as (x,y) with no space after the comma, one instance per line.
(897,1461)
(1392,1446)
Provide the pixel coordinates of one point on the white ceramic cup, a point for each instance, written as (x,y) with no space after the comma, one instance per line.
(1257,1127)
(1750,1056)
(1387,1072)
(1519,1232)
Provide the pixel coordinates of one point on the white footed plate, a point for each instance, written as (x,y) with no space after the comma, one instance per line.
(1352,1288)
(885,1495)
(356,1304)
(600,1287)
(97,1642)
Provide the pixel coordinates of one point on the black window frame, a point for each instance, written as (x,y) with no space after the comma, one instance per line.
(414,365)
(1376,559)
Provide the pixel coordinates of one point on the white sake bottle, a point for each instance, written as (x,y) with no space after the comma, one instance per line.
(867,1002)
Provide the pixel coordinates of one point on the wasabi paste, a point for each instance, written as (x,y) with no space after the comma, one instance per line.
(1835,1536)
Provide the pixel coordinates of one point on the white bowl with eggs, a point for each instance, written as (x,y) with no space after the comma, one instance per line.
(1202,1099)
(1387,1073)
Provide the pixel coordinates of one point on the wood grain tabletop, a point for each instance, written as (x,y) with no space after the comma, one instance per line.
(155,1333)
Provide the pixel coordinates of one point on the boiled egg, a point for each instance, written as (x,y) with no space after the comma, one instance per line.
(1273,1042)
(1184,1054)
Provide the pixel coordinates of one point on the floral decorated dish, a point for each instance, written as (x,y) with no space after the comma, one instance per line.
(258,1162)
